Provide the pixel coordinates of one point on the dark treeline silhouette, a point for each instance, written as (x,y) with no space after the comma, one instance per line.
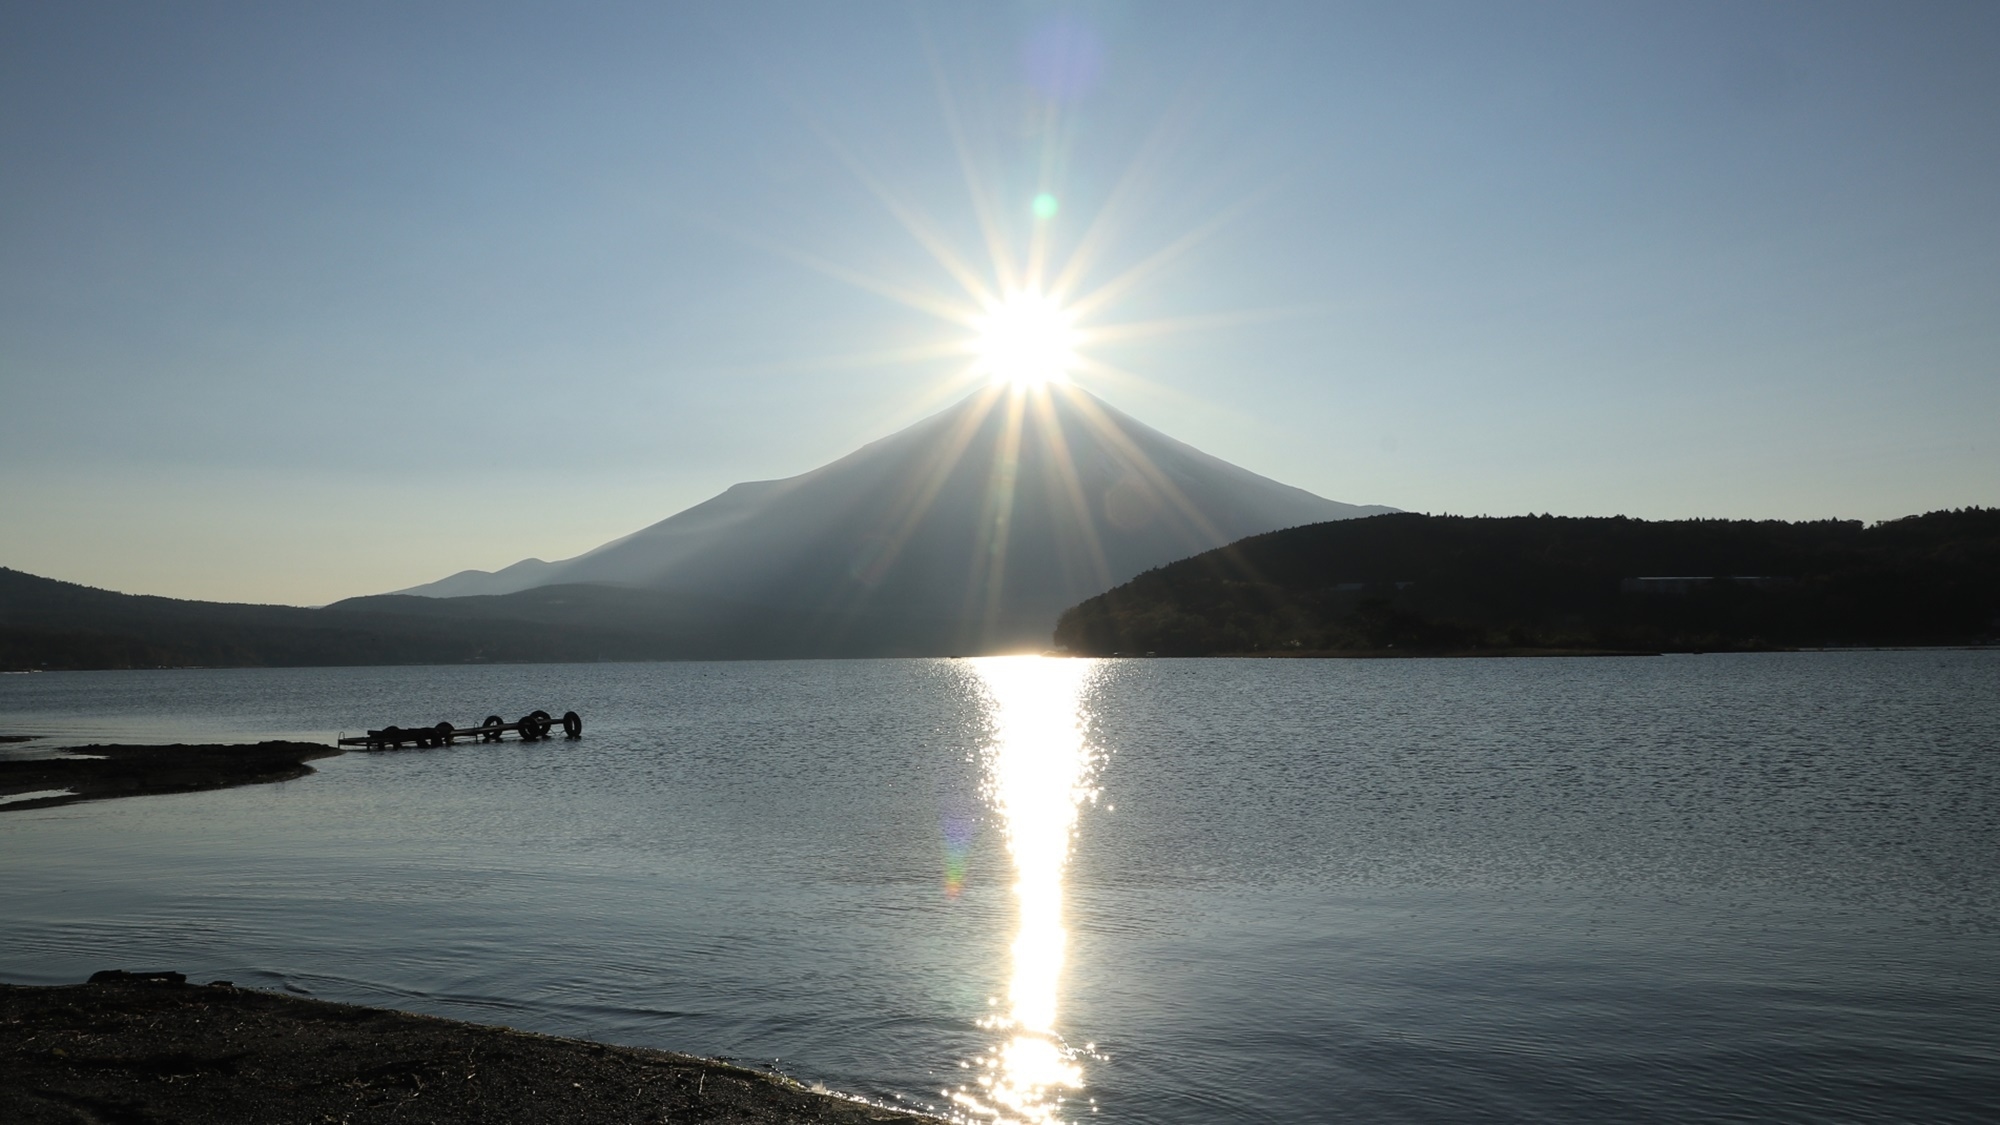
(45,623)
(1409,583)
(48,624)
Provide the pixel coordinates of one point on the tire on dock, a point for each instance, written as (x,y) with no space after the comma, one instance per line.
(572,724)
(489,731)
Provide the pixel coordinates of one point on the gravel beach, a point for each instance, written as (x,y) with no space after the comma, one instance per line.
(132,1048)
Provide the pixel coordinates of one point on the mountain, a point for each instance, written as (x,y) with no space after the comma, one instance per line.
(523,575)
(969,531)
(1409,584)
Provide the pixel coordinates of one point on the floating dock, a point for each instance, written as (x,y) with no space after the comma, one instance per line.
(532,727)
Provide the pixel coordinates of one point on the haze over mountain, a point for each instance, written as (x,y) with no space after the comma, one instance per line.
(969,531)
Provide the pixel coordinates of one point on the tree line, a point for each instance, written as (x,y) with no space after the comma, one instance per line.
(1411,583)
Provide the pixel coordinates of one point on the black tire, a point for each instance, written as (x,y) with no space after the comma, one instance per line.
(572,724)
(527,725)
(543,724)
(392,737)
(489,734)
(444,733)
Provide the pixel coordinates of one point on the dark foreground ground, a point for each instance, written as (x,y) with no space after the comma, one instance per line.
(134,1050)
(95,772)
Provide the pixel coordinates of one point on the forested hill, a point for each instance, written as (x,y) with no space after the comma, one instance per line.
(1406,583)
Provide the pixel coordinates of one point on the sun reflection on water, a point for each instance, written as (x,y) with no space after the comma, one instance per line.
(1039,773)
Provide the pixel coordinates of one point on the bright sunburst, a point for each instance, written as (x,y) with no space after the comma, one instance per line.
(1026,340)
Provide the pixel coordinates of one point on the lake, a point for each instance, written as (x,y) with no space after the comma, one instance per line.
(1724,887)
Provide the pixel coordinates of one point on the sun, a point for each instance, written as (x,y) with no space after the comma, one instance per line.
(1026,340)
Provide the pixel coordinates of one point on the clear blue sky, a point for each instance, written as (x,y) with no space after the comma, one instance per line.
(302,303)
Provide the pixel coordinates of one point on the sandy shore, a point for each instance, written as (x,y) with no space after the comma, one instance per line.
(130,1049)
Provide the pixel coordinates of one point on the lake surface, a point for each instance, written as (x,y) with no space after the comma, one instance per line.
(1758,887)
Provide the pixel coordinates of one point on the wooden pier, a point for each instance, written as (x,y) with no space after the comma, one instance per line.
(532,727)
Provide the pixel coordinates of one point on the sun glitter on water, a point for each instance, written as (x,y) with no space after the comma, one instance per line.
(1026,340)
(1039,774)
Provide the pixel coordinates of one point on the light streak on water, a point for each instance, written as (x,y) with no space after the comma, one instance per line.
(1039,772)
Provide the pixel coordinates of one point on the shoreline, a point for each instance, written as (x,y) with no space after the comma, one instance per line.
(91,773)
(1326,654)
(1423,654)
(150,1046)
(1517,653)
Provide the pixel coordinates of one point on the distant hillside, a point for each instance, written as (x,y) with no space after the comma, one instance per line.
(656,625)
(1415,583)
(49,624)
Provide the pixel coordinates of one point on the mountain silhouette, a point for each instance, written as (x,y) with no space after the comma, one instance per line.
(970,531)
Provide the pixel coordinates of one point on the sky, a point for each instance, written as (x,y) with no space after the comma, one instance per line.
(304,302)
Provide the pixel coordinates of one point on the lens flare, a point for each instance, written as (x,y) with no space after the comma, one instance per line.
(959,830)
(1026,341)
(1039,774)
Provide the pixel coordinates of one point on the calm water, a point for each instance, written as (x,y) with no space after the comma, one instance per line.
(1685,888)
